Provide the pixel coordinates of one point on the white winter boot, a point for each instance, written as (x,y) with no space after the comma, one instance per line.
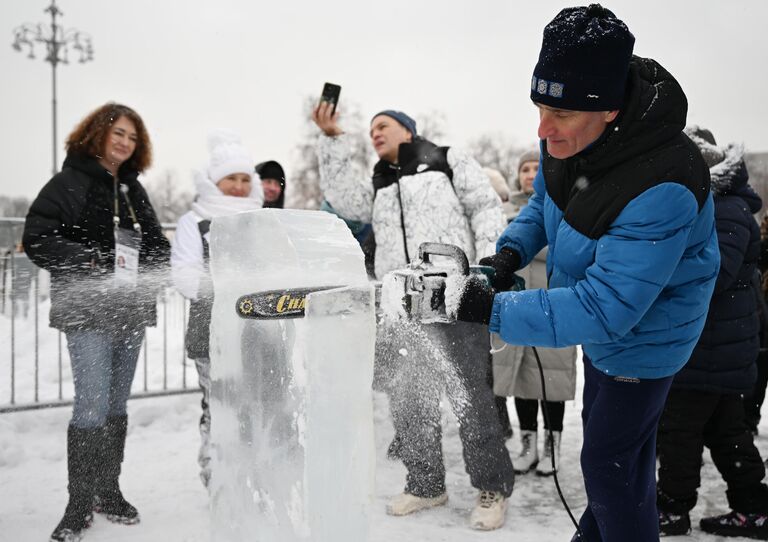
(490,512)
(544,467)
(529,454)
(405,503)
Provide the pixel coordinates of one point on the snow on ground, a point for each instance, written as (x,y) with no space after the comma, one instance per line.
(160,469)
(160,478)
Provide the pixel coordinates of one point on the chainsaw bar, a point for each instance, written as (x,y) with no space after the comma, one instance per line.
(276,304)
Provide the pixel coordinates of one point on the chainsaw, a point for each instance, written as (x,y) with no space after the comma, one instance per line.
(417,292)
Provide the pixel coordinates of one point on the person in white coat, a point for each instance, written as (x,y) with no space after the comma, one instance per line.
(420,192)
(226,186)
(515,371)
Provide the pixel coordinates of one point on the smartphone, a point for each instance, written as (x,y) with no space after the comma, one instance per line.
(331,95)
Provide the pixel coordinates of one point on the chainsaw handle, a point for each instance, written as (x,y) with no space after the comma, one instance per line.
(450,251)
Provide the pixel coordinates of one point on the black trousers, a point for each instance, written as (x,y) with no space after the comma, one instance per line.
(618,457)
(528,412)
(415,365)
(694,419)
(754,402)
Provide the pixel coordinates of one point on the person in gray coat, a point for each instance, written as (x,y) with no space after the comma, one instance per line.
(515,371)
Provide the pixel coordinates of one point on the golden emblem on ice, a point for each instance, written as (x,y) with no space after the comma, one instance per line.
(246,306)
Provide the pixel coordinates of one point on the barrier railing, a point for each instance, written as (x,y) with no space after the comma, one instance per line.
(33,356)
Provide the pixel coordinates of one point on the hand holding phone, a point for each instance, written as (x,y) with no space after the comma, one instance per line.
(325,114)
(331,94)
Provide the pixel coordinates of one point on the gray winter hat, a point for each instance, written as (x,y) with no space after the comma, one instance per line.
(528,156)
(705,141)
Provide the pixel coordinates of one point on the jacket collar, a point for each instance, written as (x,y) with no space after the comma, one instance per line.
(91,167)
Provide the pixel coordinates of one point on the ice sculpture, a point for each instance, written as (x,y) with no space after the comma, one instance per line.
(291,404)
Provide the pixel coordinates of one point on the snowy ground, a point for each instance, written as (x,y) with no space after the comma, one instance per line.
(160,478)
(160,470)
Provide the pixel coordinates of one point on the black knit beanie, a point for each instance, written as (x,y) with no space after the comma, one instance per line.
(273,170)
(584,61)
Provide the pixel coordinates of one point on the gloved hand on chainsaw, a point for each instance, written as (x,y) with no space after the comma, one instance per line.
(504,263)
(469,299)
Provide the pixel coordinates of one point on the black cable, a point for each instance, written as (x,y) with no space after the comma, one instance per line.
(545,411)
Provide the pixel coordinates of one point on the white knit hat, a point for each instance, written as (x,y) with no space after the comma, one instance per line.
(228,155)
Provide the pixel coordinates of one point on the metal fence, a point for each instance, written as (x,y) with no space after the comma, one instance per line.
(34,357)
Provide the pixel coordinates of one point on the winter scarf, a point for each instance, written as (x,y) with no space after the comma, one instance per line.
(211,202)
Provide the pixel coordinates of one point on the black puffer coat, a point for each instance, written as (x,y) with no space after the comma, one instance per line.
(69,228)
(724,358)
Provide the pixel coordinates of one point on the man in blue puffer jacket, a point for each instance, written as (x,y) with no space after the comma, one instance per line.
(622,200)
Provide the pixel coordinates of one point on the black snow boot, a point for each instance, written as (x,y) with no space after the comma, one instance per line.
(674,517)
(108,499)
(81,449)
(737,524)
(674,524)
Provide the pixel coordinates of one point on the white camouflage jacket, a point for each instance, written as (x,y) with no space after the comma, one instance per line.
(467,214)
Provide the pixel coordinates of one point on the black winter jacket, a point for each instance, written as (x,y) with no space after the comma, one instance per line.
(724,358)
(69,228)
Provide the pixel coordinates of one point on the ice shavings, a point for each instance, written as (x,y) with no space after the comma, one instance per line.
(454,289)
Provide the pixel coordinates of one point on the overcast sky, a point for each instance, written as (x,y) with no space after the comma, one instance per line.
(188,66)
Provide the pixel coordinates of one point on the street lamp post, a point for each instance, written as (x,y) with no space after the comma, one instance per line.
(58,42)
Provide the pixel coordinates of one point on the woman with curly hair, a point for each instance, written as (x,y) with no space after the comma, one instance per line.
(93,228)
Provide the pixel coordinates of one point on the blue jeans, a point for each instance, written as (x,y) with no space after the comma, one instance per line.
(618,456)
(103,365)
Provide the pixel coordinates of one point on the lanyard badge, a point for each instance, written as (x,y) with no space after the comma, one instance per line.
(127,244)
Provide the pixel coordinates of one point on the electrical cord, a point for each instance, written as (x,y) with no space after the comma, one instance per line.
(545,411)
(519,285)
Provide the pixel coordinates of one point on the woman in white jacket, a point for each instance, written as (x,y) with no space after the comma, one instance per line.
(515,371)
(227,186)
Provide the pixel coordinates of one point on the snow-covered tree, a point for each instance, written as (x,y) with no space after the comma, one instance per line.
(168,198)
(303,190)
(431,126)
(497,152)
(304,185)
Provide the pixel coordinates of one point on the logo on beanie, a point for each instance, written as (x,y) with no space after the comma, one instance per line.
(556,90)
(549,88)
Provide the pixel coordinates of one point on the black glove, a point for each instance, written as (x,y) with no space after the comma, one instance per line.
(504,263)
(476,302)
